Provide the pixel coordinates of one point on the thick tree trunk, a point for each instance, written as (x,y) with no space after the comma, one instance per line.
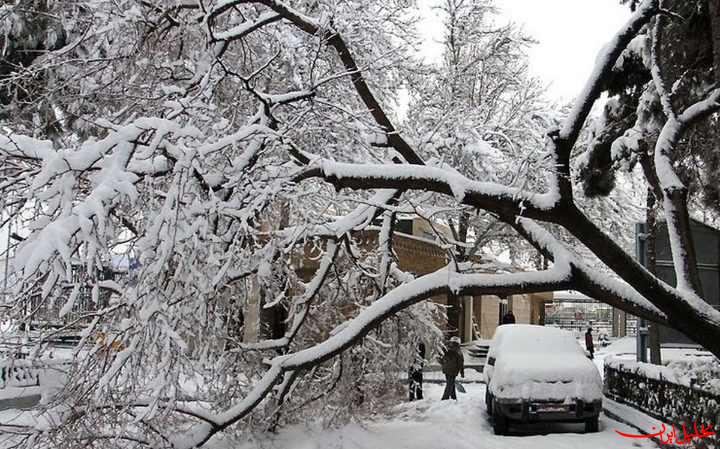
(454,302)
(681,315)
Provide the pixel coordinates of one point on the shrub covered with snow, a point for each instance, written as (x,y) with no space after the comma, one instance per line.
(701,372)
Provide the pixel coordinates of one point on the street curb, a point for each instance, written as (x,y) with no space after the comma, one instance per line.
(20,403)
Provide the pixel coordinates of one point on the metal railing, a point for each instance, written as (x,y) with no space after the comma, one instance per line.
(665,401)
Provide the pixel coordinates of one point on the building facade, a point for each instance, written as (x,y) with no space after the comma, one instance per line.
(419,252)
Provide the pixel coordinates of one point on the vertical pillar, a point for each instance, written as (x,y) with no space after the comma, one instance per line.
(467,302)
(619,323)
(252,311)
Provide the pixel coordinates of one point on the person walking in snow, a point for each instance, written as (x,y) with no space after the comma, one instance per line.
(589,345)
(415,373)
(508,318)
(453,364)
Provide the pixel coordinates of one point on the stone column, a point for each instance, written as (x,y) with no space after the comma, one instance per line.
(252,312)
(619,323)
(467,318)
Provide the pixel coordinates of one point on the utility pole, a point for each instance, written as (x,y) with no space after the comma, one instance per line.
(642,326)
(651,265)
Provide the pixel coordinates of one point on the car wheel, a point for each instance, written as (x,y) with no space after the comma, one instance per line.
(592,425)
(488,403)
(500,423)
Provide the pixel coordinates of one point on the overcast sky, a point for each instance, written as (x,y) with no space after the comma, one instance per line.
(570,34)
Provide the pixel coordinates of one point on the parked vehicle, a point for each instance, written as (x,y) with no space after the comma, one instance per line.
(536,373)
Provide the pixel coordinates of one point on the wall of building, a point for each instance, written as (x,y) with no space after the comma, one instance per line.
(520,307)
(528,309)
(488,316)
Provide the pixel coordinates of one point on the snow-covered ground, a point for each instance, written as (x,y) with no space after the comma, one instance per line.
(435,424)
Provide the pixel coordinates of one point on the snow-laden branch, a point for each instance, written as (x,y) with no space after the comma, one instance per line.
(443,281)
(485,195)
(676,305)
(655,70)
(357,219)
(243,29)
(675,192)
(603,67)
(113,166)
(509,203)
(315,27)
(611,290)
(673,303)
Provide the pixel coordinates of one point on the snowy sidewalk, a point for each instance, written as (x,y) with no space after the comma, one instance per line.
(435,424)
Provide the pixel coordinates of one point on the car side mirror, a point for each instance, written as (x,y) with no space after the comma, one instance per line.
(491,361)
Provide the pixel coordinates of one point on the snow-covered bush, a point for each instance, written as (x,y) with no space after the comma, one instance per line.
(668,393)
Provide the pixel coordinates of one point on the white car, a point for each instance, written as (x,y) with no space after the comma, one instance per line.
(537,373)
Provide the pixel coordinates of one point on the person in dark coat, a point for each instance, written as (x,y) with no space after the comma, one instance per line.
(508,318)
(589,345)
(453,364)
(415,374)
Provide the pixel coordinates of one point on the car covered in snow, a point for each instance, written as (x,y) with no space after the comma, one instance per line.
(536,373)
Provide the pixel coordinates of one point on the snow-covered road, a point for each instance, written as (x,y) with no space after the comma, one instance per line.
(435,424)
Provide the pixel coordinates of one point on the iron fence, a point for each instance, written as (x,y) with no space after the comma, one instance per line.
(665,401)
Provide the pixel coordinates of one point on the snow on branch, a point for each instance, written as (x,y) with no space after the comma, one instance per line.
(603,67)
(243,29)
(485,195)
(675,193)
(315,27)
(702,109)
(658,81)
(357,219)
(385,249)
(82,186)
(602,287)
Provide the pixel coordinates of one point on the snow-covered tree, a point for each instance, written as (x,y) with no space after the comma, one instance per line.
(478,111)
(229,142)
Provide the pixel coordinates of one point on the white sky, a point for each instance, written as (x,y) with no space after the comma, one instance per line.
(570,34)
